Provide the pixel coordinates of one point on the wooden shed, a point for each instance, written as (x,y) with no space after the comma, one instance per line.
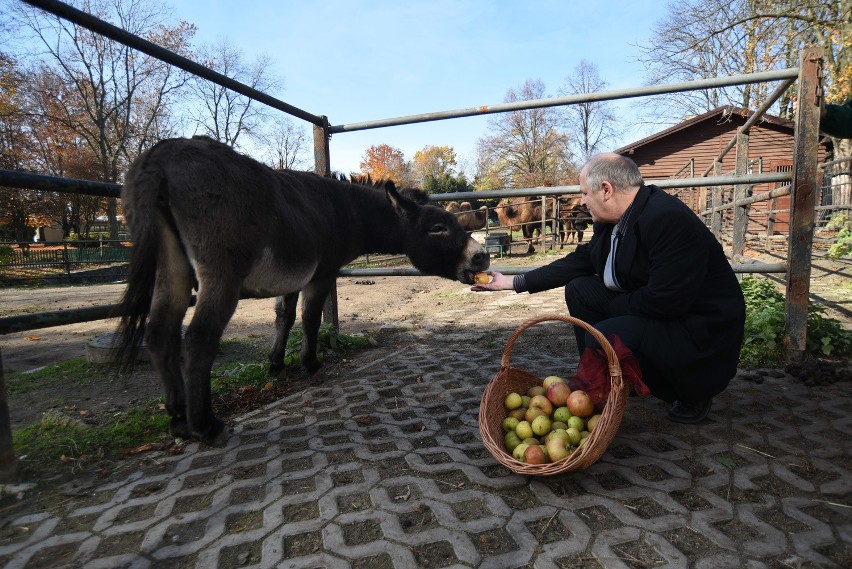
(688,149)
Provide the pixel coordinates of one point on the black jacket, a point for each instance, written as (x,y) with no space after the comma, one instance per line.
(676,273)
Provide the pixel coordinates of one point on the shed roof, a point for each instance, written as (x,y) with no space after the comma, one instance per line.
(723,112)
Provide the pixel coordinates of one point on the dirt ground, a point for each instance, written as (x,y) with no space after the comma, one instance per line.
(364,306)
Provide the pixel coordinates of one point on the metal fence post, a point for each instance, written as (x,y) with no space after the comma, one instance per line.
(802,202)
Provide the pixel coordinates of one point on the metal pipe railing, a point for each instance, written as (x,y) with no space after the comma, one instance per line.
(762,77)
(124,37)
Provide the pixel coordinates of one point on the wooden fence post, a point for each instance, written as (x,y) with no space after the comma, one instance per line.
(740,192)
(803,199)
(716,201)
(322,166)
(8,464)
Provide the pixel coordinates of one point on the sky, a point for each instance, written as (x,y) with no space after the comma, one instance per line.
(359,60)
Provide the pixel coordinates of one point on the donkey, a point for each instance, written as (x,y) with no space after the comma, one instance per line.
(573,220)
(204,216)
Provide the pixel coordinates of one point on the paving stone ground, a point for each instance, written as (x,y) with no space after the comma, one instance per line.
(384,469)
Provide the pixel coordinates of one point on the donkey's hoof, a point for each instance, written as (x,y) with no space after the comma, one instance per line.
(312,367)
(178,427)
(215,435)
(275,369)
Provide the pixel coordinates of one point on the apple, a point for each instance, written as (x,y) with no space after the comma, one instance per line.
(573,436)
(513,401)
(550,379)
(559,434)
(558,425)
(577,423)
(536,390)
(541,425)
(525,401)
(584,434)
(558,393)
(511,440)
(543,403)
(532,413)
(580,404)
(556,449)
(524,430)
(509,424)
(531,441)
(534,455)
(592,422)
(518,453)
(561,414)
(518,413)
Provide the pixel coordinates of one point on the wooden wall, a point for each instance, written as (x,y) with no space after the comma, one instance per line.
(771,144)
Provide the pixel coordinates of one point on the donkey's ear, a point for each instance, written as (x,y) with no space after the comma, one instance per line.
(404,207)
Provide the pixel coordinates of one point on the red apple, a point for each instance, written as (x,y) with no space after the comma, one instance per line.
(558,393)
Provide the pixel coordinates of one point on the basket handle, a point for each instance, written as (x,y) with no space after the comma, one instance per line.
(612,358)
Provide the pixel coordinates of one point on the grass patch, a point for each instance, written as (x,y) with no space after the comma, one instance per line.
(764,328)
(59,439)
(76,372)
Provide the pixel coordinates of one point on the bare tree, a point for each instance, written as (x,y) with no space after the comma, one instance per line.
(709,38)
(288,145)
(224,114)
(125,94)
(526,148)
(591,122)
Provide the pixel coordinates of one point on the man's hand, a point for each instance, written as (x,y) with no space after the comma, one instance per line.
(499,281)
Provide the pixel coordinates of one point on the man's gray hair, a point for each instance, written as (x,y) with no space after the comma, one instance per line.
(619,171)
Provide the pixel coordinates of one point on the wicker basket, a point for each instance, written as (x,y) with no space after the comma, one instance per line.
(492,410)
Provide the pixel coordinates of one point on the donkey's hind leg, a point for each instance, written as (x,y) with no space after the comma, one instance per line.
(217,300)
(171,298)
(313,300)
(285,316)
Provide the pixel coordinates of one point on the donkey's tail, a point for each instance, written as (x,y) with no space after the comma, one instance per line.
(142,193)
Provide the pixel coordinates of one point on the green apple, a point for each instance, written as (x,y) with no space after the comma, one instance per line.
(518,453)
(577,423)
(509,424)
(513,401)
(559,434)
(525,401)
(511,440)
(561,414)
(524,430)
(541,425)
(573,436)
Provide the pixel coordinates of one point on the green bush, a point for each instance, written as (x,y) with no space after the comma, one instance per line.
(764,328)
(842,247)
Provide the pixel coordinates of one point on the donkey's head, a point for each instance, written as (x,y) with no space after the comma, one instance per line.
(435,242)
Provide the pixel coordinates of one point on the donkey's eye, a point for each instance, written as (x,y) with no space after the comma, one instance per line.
(438,228)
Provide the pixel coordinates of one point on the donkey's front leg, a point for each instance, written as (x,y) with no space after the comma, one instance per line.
(313,300)
(285,316)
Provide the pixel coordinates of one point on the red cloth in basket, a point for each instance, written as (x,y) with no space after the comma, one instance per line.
(592,374)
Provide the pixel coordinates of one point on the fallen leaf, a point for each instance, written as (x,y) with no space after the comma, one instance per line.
(143,448)
(33,338)
(365,420)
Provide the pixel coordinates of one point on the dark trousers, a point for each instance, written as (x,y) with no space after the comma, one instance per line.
(588,300)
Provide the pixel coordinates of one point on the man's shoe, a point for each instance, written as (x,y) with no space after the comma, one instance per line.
(689,411)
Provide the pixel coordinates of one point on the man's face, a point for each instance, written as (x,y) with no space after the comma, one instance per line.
(592,198)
